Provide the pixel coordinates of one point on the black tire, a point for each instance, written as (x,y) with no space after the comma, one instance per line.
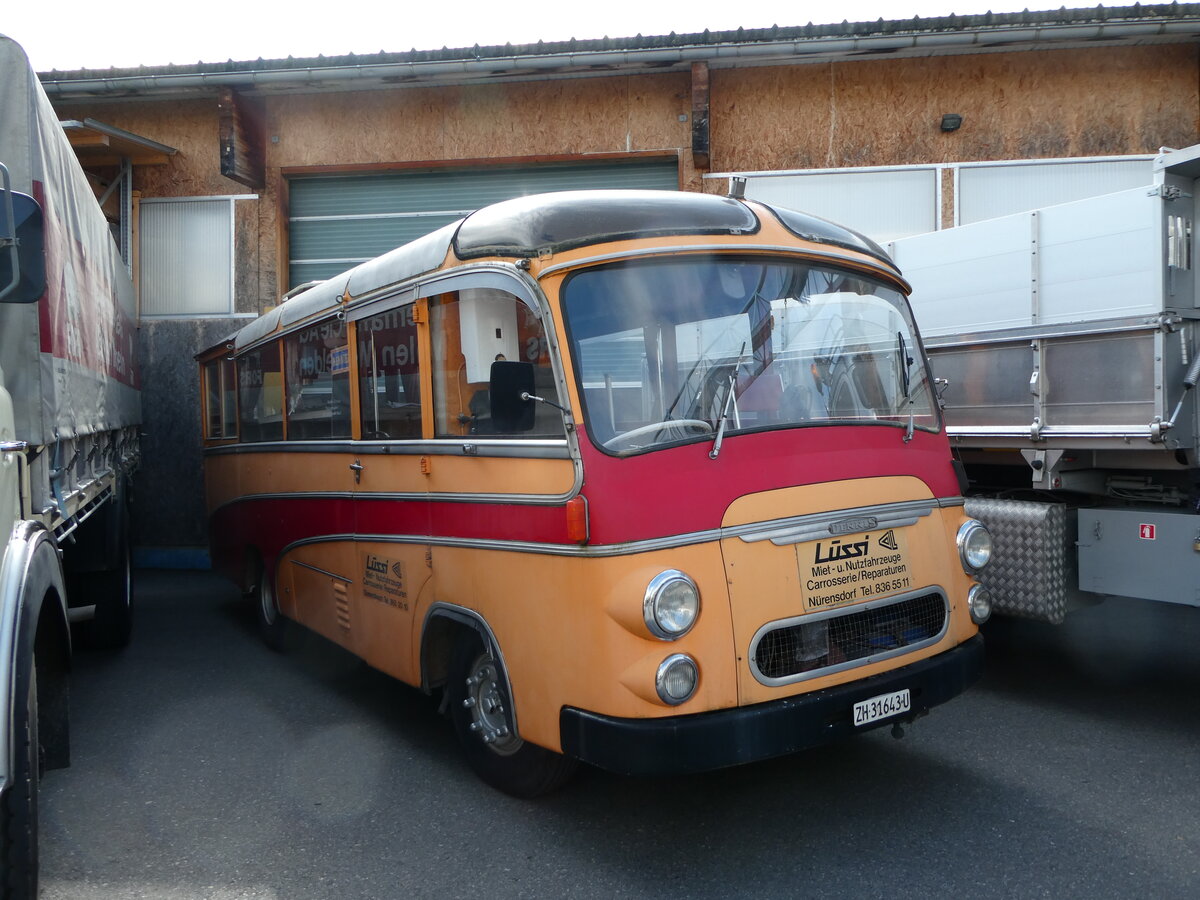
(19,805)
(482,711)
(272,626)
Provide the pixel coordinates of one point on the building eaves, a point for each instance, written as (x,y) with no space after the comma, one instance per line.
(579,58)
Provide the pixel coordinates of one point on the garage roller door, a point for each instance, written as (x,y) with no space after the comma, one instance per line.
(338,221)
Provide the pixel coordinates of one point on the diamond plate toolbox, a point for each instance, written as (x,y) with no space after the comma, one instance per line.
(1033,565)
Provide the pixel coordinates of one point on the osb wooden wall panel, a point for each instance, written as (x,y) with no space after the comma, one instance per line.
(1014,105)
(594,115)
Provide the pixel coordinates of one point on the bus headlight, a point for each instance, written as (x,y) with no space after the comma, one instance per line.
(676,679)
(974,545)
(671,605)
(979,601)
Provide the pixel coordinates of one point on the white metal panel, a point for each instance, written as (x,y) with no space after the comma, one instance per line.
(883,205)
(1101,258)
(969,279)
(186,257)
(991,191)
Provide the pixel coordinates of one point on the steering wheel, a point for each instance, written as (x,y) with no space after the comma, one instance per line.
(655,427)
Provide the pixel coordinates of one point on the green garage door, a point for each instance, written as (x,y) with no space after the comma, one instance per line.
(338,221)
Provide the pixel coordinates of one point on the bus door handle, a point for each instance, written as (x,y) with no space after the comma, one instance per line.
(356,467)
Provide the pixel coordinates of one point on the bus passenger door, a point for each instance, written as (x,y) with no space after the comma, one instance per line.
(391,512)
(314,470)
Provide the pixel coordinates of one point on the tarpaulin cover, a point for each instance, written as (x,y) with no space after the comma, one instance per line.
(67,360)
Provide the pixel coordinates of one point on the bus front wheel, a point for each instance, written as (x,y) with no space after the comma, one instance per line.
(481,707)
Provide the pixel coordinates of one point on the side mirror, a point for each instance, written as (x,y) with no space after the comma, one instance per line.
(509,380)
(22,257)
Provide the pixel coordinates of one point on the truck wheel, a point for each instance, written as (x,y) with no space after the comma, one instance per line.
(272,625)
(482,711)
(18,806)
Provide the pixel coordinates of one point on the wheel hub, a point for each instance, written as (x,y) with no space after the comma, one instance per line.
(487,703)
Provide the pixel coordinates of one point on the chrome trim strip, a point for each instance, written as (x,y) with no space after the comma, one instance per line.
(1043,332)
(319,571)
(799,529)
(837,613)
(549,448)
(603,551)
(1047,431)
(730,246)
(511,499)
(599,551)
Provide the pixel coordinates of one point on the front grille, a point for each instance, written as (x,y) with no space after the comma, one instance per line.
(812,645)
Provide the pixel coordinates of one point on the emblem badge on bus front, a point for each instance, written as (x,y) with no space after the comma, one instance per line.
(847,526)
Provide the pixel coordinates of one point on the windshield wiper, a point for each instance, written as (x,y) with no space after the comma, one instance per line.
(906,362)
(716,447)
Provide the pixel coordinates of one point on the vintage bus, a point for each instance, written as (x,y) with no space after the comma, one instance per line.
(652,480)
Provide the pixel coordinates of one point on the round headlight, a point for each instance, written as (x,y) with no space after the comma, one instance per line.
(974,545)
(676,679)
(979,601)
(671,605)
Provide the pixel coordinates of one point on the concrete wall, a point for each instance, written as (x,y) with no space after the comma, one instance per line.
(169,515)
(1046,103)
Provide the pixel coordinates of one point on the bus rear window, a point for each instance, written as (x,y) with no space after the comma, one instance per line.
(260,394)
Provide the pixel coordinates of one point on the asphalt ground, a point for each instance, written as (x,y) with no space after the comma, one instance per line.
(207,766)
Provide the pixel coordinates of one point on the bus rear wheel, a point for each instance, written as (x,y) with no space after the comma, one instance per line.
(272,626)
(481,707)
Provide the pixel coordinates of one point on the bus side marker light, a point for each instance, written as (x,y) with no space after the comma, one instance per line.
(577,520)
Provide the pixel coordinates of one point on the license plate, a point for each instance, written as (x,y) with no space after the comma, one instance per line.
(881,707)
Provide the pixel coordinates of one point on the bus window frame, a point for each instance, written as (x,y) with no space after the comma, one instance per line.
(225,368)
(501,276)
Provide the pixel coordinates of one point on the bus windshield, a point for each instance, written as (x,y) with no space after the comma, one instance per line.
(680,350)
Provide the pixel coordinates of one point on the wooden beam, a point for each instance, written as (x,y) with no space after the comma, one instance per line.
(241,139)
(87,140)
(700,116)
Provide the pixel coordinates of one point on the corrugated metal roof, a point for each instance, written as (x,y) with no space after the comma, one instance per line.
(575,58)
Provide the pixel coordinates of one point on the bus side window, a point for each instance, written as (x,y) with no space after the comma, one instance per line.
(389,379)
(471,329)
(260,394)
(318,382)
(220,400)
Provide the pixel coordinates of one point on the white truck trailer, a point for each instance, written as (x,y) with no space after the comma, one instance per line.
(69,416)
(1069,341)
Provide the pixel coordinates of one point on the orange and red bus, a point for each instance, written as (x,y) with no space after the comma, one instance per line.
(654,481)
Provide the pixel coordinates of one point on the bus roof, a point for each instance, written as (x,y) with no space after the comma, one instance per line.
(541,224)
